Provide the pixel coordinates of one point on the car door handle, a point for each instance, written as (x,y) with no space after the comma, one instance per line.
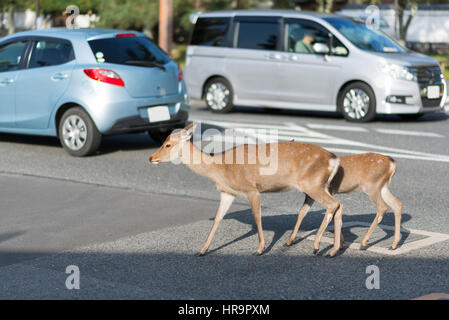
(5,82)
(59,76)
(273,56)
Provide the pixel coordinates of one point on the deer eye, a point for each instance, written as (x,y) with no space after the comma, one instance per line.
(168,145)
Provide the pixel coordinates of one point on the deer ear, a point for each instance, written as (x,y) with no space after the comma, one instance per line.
(188,131)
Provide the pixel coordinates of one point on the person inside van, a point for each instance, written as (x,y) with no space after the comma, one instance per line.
(305,45)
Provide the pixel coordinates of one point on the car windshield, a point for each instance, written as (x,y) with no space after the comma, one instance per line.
(364,37)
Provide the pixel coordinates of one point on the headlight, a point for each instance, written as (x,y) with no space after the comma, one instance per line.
(398,72)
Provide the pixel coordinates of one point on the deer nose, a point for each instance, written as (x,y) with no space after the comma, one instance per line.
(151,158)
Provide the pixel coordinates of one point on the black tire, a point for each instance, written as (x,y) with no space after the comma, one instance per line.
(361,115)
(160,135)
(92,137)
(215,105)
(413,116)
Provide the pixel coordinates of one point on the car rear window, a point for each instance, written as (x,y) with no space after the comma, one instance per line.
(210,32)
(127,50)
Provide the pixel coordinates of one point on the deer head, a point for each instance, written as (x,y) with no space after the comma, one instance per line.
(174,145)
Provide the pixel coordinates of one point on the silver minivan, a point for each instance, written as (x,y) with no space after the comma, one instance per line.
(307,61)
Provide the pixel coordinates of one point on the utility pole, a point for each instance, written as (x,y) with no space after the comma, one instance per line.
(166,25)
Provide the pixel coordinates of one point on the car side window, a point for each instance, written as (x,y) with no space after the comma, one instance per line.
(11,54)
(50,53)
(210,32)
(302,35)
(258,35)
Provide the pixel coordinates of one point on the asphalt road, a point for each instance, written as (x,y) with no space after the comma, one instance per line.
(134,229)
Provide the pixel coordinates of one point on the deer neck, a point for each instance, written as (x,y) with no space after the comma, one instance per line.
(198,161)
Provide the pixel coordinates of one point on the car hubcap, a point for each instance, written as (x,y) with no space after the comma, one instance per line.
(74,132)
(356,103)
(217,96)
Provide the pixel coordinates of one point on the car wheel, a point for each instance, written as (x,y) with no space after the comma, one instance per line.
(218,95)
(357,102)
(160,135)
(78,134)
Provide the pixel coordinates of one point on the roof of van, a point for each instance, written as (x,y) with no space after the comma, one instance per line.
(233,13)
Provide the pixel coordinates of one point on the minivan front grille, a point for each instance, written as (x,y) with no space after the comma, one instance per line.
(428,75)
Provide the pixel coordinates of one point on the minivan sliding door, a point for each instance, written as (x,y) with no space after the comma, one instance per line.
(253,63)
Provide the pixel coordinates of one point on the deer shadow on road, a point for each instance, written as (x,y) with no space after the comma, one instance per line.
(284,223)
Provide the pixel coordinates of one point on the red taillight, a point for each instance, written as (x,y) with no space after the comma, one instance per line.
(105,75)
(180,74)
(125,35)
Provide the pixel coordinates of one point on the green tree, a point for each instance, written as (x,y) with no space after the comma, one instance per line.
(56,7)
(9,7)
(403,24)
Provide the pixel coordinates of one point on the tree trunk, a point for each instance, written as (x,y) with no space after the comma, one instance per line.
(166,25)
(320,5)
(328,6)
(11,27)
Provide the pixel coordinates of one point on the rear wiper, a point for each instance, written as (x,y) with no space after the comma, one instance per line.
(149,64)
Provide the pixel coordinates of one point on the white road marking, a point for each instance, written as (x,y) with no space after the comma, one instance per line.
(288,131)
(333,127)
(431,238)
(380,130)
(409,133)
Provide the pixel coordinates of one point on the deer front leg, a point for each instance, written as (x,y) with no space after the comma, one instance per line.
(254,200)
(338,236)
(225,203)
(308,202)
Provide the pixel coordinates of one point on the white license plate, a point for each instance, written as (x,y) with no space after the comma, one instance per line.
(433,92)
(159,113)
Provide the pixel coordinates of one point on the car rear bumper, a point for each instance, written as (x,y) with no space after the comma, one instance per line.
(139,124)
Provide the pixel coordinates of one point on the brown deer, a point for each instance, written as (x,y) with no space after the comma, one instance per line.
(303,166)
(370,173)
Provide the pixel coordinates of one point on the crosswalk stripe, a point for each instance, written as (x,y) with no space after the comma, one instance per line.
(333,127)
(288,131)
(409,133)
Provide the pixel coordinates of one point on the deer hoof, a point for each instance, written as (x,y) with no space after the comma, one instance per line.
(315,251)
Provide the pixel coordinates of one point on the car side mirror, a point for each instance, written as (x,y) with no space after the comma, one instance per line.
(320,48)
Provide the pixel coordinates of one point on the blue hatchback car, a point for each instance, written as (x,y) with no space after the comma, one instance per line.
(81,84)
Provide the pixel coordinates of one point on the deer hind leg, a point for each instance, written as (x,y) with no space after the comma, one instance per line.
(382,208)
(334,209)
(254,200)
(225,203)
(396,205)
(308,202)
